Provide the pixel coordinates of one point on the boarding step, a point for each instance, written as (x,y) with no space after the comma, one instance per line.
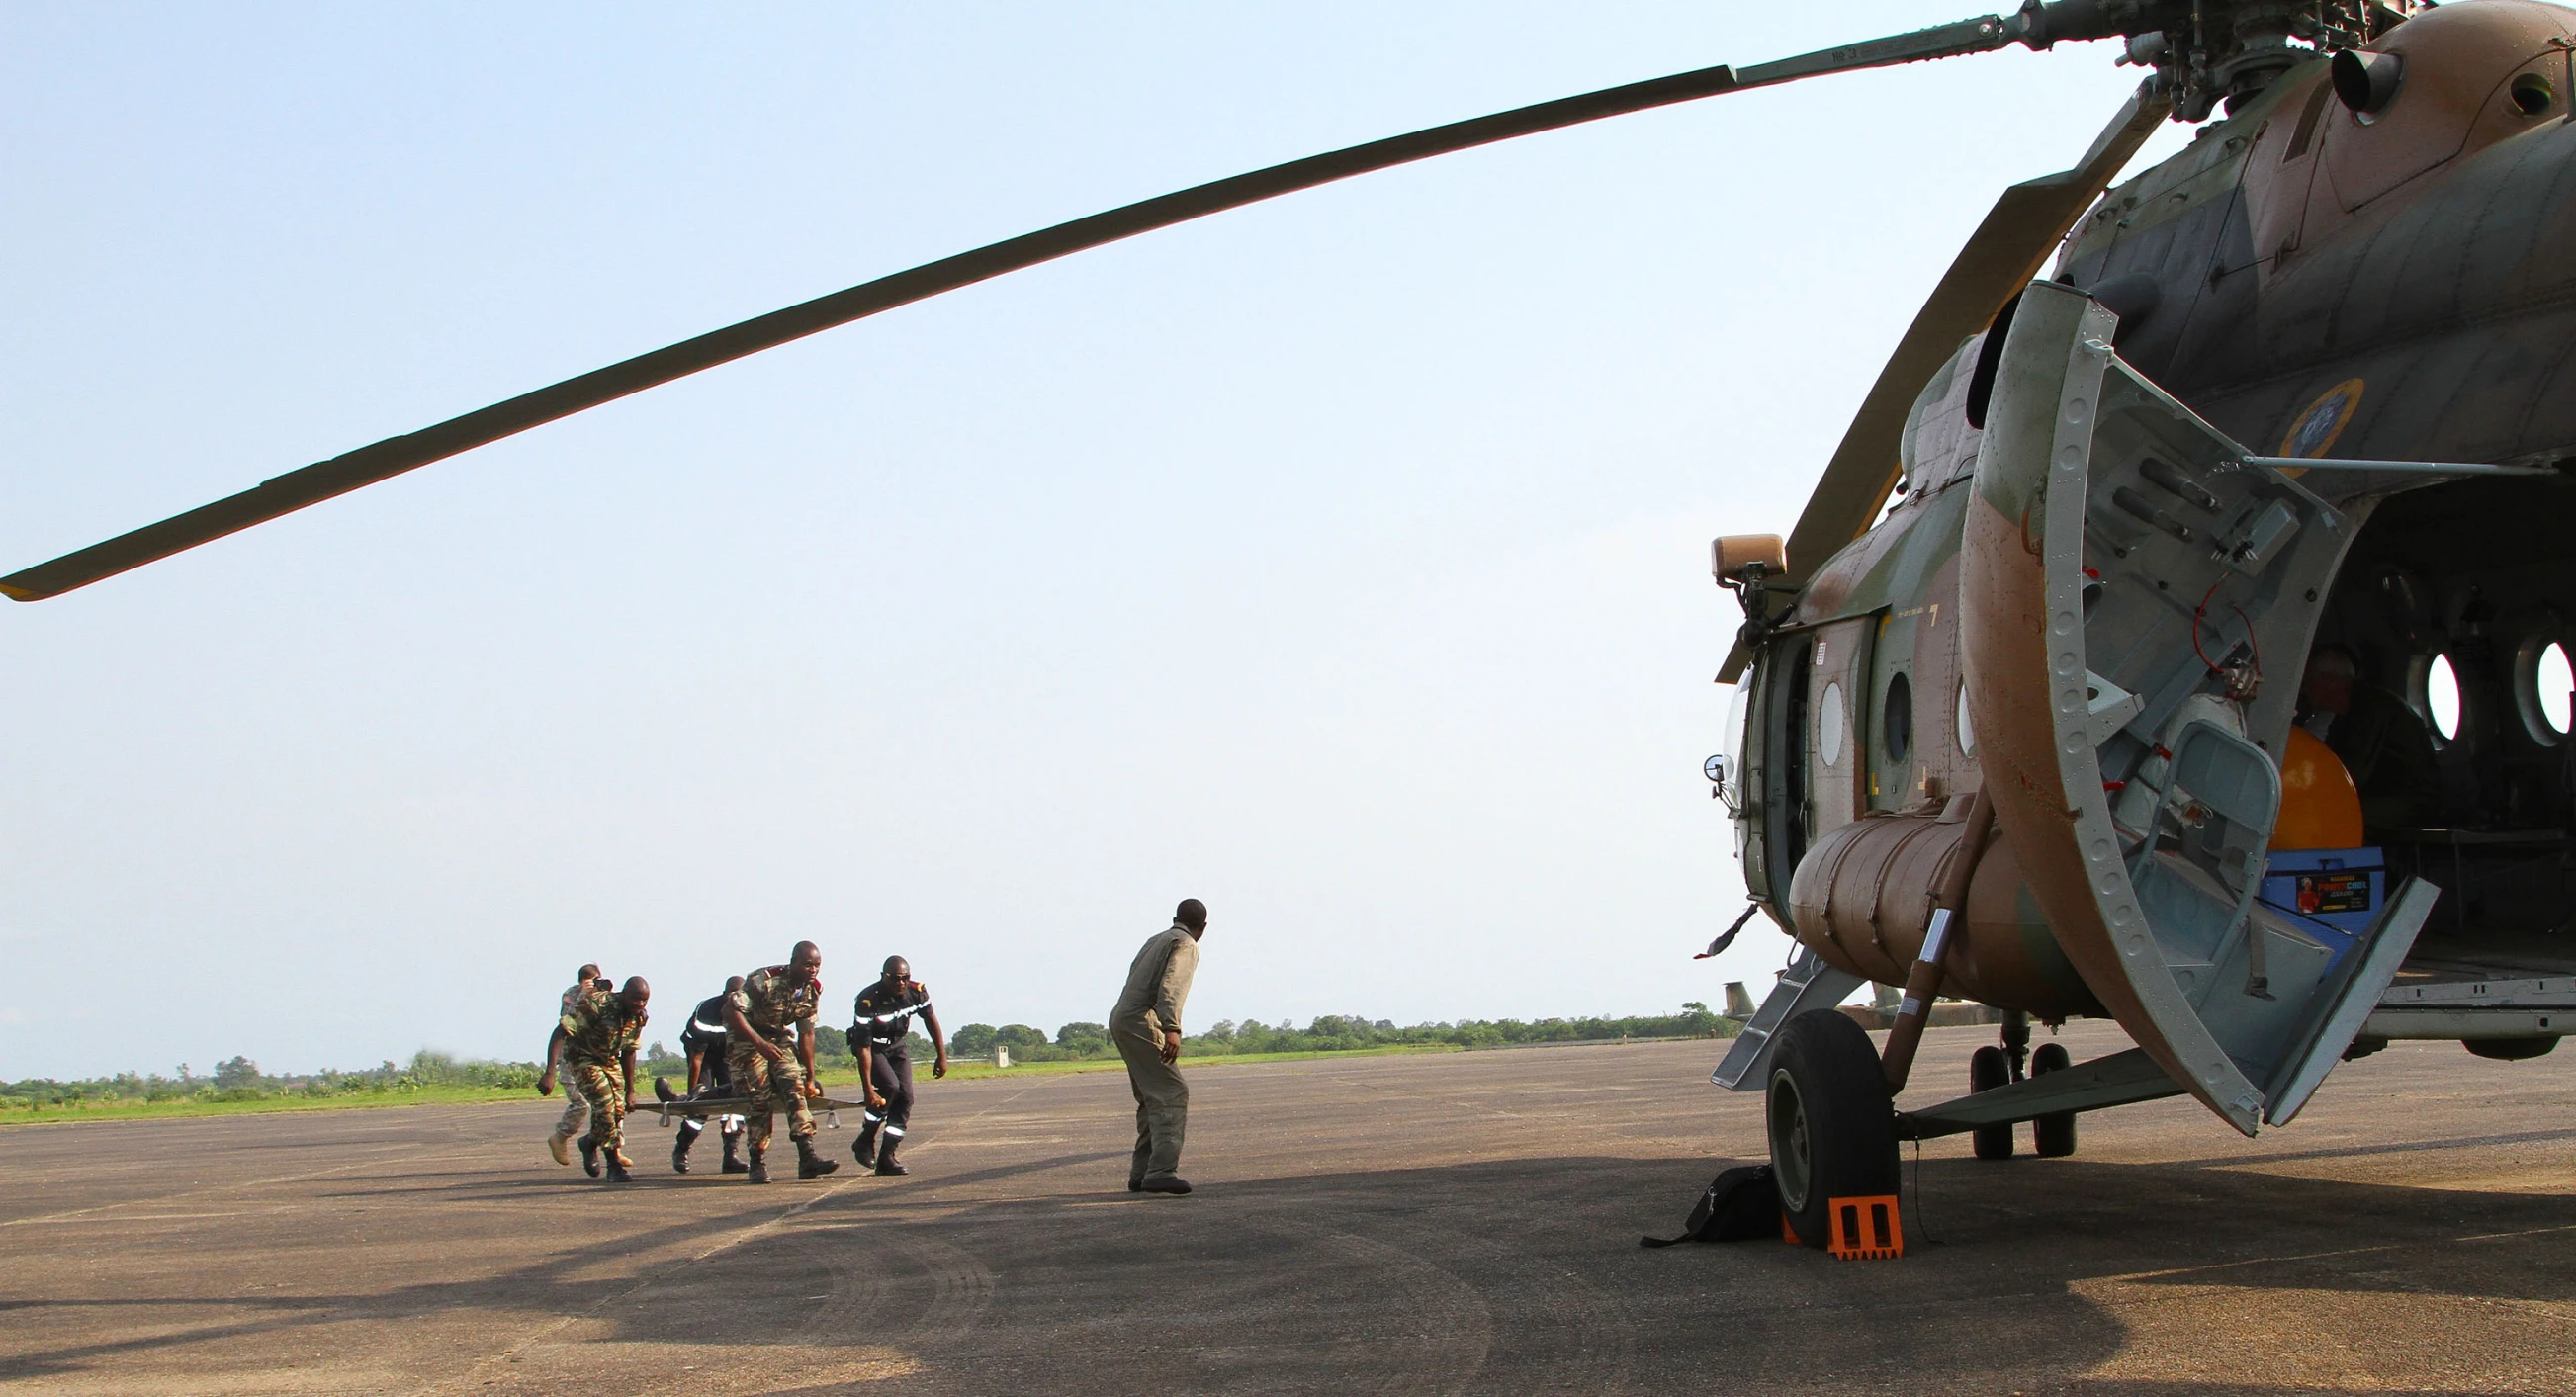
(1807,984)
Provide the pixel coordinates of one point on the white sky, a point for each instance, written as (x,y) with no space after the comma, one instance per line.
(1341,561)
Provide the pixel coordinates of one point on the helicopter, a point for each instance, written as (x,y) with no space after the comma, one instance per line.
(2036,737)
(2214,299)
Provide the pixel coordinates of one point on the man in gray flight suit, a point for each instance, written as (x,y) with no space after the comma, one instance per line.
(1146,1025)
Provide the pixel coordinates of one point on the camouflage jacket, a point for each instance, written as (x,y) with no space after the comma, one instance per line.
(597,1029)
(769,1002)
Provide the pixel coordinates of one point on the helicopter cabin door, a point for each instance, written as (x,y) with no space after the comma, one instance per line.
(1838,722)
(2126,578)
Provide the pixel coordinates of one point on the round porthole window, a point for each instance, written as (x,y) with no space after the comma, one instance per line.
(2442,696)
(2542,684)
(2555,680)
(1829,726)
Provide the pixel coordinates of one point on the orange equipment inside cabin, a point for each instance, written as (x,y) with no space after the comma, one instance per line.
(2320,806)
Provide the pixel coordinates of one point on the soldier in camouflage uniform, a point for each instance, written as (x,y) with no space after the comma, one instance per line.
(576,1114)
(757,1019)
(600,1032)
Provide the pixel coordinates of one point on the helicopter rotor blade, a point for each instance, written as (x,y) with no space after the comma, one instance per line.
(393,456)
(2007,250)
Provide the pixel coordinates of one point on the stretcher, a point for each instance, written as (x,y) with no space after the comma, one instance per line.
(827,1110)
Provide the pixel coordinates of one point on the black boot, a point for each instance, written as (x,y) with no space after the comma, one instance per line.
(589,1158)
(810,1165)
(617,1171)
(733,1154)
(760,1163)
(865,1148)
(680,1149)
(886,1163)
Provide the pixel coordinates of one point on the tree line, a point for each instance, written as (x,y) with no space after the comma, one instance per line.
(1335,1033)
(240,1079)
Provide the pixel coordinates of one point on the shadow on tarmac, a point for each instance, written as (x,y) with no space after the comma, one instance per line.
(1504,1276)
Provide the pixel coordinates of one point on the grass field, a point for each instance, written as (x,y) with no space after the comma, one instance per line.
(842,1084)
(128,1109)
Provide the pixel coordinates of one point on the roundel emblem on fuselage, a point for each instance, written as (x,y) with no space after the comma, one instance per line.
(2315,432)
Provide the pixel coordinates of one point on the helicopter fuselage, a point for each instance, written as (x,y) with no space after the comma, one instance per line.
(2377,274)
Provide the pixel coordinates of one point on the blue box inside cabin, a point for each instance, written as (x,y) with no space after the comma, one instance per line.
(2332,893)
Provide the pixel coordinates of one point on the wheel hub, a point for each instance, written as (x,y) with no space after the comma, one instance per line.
(1792,1153)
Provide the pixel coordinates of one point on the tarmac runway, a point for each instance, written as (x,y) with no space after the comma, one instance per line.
(1440,1224)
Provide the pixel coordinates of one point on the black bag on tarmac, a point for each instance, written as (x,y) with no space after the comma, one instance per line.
(1740,1204)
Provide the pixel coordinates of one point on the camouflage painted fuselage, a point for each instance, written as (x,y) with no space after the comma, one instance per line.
(2313,283)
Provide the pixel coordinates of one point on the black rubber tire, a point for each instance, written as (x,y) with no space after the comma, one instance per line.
(1988,1069)
(2053,1136)
(1831,1121)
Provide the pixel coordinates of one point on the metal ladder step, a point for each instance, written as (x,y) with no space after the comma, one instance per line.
(1807,984)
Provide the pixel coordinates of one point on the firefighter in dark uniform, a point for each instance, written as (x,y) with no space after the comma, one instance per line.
(879,1033)
(704,1041)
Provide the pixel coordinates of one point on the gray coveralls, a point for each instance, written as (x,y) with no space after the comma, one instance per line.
(1157,985)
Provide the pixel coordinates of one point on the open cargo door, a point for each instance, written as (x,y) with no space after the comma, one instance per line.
(2126,577)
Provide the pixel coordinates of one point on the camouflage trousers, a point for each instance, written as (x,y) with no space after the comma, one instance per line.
(576,1113)
(770,1086)
(603,1089)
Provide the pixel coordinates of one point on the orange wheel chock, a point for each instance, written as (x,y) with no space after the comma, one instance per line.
(1864,1229)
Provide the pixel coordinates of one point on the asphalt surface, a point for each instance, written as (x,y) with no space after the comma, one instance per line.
(1459,1223)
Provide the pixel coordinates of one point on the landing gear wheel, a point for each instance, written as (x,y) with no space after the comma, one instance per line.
(2053,1135)
(1832,1124)
(1987,1070)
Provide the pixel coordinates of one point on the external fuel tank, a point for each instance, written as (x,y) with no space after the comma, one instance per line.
(1863,895)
